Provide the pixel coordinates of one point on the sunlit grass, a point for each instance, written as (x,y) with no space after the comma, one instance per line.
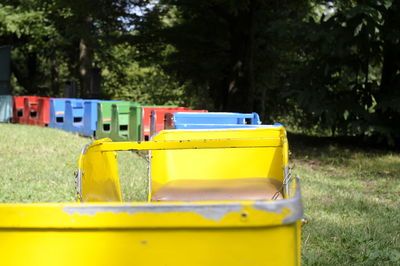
(38,164)
(351,195)
(133,176)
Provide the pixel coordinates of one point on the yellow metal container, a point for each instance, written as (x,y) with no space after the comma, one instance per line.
(263,155)
(223,233)
(105,231)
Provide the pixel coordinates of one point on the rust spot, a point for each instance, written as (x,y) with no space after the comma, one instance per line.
(243,216)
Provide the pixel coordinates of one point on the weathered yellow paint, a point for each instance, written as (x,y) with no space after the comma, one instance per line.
(237,233)
(212,233)
(100,181)
(139,215)
(187,154)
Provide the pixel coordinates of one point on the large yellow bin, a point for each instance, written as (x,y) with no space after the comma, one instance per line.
(97,232)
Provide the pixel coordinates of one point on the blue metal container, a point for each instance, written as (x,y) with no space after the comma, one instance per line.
(57,111)
(221,126)
(89,118)
(73,117)
(186,120)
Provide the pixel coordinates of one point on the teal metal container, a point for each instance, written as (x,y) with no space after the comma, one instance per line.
(5,108)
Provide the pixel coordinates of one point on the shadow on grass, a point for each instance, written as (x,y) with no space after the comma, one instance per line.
(352,232)
(321,151)
(351,197)
(304,144)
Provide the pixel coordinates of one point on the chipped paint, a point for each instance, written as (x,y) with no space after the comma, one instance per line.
(294,205)
(78,183)
(212,212)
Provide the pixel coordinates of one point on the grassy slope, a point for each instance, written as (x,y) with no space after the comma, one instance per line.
(351,196)
(38,164)
(352,199)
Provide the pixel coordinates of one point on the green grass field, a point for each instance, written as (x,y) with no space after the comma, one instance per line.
(352,200)
(351,195)
(38,164)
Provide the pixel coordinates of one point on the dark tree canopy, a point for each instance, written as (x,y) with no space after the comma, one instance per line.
(330,67)
(223,46)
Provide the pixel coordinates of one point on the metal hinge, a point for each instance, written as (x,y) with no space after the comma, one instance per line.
(78,183)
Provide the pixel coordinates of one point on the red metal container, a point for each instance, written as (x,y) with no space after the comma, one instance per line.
(36,110)
(30,109)
(146,118)
(43,118)
(18,108)
(169,118)
(169,121)
(153,118)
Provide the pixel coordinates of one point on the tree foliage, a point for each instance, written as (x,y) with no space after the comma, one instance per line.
(226,47)
(58,40)
(325,65)
(34,39)
(348,80)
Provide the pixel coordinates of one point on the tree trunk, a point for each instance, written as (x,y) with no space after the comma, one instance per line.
(240,84)
(27,77)
(85,58)
(387,116)
(391,53)
(54,79)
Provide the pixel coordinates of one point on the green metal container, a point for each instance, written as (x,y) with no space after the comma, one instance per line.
(5,108)
(114,121)
(103,128)
(125,121)
(120,120)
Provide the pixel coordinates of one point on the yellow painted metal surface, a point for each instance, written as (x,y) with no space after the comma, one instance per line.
(212,233)
(100,182)
(187,154)
(264,157)
(98,232)
(146,247)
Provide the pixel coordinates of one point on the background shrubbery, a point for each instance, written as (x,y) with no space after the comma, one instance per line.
(326,67)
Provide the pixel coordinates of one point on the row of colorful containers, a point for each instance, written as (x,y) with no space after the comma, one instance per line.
(215,197)
(117,120)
